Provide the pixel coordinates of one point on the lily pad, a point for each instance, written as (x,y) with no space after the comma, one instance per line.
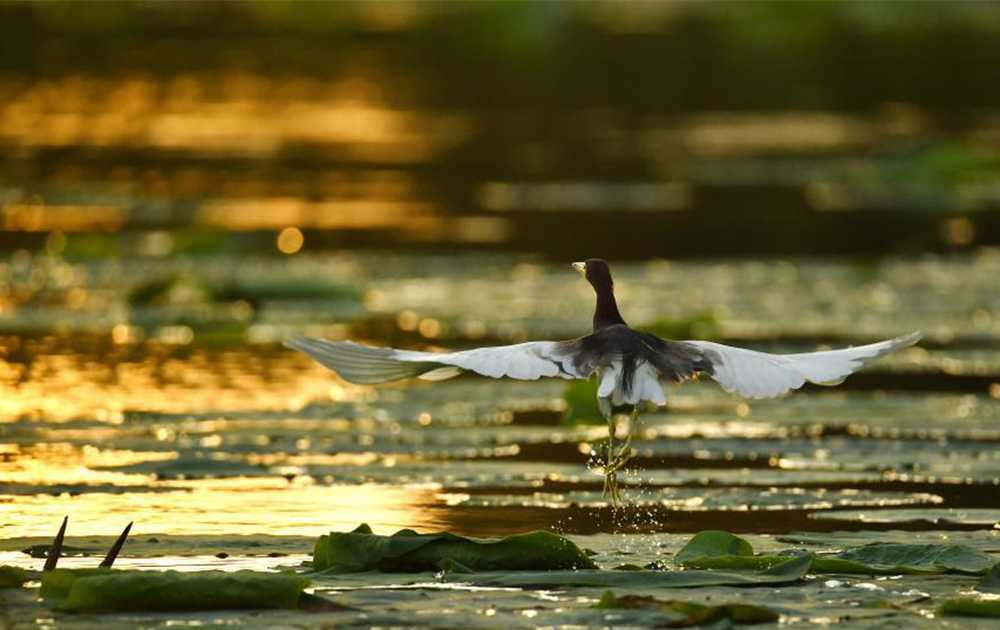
(408,551)
(12,577)
(788,572)
(721,550)
(713,543)
(120,591)
(991,581)
(970,607)
(691,613)
(57,583)
(903,558)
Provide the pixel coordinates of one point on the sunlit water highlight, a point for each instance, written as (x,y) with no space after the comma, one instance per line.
(111,414)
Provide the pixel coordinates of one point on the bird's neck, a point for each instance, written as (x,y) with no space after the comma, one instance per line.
(606,312)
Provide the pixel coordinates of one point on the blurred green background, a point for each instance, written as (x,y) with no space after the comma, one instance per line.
(654,129)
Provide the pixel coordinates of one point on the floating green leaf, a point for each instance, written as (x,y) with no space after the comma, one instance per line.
(713,549)
(903,558)
(788,572)
(991,581)
(408,551)
(692,613)
(453,566)
(721,550)
(57,583)
(119,591)
(713,543)
(970,607)
(12,577)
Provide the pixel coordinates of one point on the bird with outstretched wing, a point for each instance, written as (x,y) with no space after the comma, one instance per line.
(629,364)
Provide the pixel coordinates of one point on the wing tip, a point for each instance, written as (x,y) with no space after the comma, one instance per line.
(353,362)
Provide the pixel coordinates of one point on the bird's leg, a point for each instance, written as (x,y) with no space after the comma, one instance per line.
(610,486)
(616,461)
(626,453)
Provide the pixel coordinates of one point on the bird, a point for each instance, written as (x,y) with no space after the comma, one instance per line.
(629,365)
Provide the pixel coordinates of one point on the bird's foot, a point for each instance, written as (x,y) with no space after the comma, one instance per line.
(616,462)
(611,490)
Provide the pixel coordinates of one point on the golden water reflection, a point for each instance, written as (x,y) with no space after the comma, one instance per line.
(62,384)
(231,507)
(73,484)
(63,464)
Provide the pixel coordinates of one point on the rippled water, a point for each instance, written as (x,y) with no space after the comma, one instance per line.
(154,155)
(183,413)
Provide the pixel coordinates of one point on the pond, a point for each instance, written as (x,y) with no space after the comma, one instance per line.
(156,390)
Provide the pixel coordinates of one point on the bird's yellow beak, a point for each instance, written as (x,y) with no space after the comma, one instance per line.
(581,267)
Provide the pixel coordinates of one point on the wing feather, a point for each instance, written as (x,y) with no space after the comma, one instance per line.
(358,363)
(524,361)
(368,365)
(761,375)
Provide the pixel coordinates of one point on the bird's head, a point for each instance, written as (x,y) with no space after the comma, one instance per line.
(597,273)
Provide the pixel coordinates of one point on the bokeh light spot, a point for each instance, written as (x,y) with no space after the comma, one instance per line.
(958,231)
(290,240)
(429,328)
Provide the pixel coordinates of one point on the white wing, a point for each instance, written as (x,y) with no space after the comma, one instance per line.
(762,375)
(368,365)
